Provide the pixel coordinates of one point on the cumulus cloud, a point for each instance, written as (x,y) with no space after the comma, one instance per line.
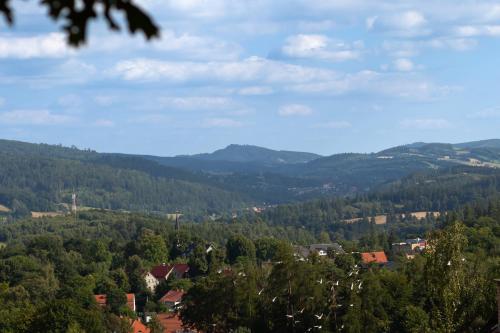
(249,69)
(255,91)
(488,113)
(104,123)
(196,102)
(478,30)
(408,23)
(334,124)
(34,117)
(221,122)
(403,65)
(51,45)
(320,47)
(426,124)
(295,110)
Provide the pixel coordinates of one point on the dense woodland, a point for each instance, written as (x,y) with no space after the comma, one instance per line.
(252,280)
(51,267)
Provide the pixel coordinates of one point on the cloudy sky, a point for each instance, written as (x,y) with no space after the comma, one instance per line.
(324,76)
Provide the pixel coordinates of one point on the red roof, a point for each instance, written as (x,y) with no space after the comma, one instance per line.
(374,257)
(102,300)
(170,322)
(172,296)
(139,327)
(181,268)
(161,271)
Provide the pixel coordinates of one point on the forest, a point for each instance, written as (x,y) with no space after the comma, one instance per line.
(252,280)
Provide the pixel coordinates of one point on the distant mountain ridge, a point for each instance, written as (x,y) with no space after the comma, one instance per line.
(250,153)
(41,176)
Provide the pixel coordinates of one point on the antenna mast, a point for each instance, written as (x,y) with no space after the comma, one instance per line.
(73,206)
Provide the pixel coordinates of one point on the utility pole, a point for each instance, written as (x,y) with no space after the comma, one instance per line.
(177,227)
(73,206)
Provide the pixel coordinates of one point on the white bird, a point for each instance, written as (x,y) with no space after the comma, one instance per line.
(463,259)
(449,263)
(296,322)
(274,299)
(359,287)
(289,316)
(337,283)
(319,317)
(352,285)
(350,273)
(351,305)
(301,311)
(318,326)
(260,292)
(320,281)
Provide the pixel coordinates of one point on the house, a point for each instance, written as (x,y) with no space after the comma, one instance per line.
(377,257)
(138,327)
(162,272)
(102,301)
(172,298)
(417,244)
(322,249)
(409,247)
(172,323)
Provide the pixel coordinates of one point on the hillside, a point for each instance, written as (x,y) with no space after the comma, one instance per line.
(39,177)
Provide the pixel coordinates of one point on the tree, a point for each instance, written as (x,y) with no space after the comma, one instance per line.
(152,247)
(77,18)
(239,246)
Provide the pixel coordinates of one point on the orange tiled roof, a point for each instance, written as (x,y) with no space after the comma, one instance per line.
(374,257)
(172,296)
(102,300)
(170,322)
(139,327)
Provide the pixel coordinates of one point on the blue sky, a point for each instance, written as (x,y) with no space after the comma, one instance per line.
(321,76)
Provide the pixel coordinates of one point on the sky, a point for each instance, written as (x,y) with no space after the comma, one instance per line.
(324,76)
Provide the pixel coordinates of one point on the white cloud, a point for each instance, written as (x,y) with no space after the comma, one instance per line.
(412,48)
(334,124)
(478,30)
(52,45)
(104,123)
(407,24)
(221,122)
(34,117)
(426,124)
(196,47)
(104,100)
(196,102)
(320,47)
(250,69)
(403,65)
(255,91)
(488,113)
(295,110)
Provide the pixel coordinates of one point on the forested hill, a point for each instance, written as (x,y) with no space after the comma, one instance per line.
(41,177)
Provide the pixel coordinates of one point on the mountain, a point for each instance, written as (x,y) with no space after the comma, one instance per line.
(492,143)
(42,177)
(255,154)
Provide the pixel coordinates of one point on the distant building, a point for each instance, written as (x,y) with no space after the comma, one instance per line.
(102,300)
(172,323)
(410,247)
(322,249)
(138,327)
(377,257)
(172,298)
(162,272)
